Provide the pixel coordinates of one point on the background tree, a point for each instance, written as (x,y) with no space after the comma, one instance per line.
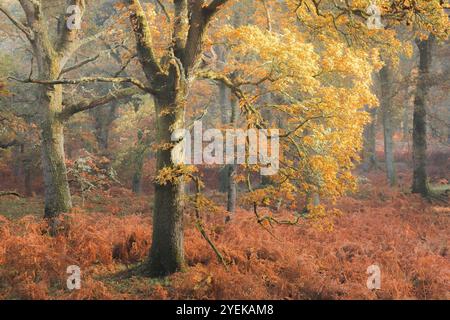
(52,49)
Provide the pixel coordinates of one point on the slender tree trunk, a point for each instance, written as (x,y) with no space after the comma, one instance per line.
(387,110)
(16,165)
(405,120)
(137,178)
(420,178)
(224,102)
(57,192)
(104,117)
(232,168)
(448,135)
(232,189)
(28,180)
(224,107)
(229,115)
(26,166)
(369,151)
(313,199)
(23,161)
(138,164)
(167,253)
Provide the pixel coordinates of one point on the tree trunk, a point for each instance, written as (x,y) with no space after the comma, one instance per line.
(137,179)
(369,150)
(232,189)
(224,106)
(50,64)
(57,192)
(28,181)
(232,168)
(388,130)
(169,80)
(405,120)
(229,115)
(104,117)
(138,164)
(26,165)
(26,170)
(420,178)
(224,103)
(167,253)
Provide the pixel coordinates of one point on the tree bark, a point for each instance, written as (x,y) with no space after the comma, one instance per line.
(138,164)
(232,168)
(168,77)
(388,130)
(104,117)
(406,115)
(224,107)
(167,252)
(26,168)
(369,151)
(28,186)
(420,177)
(57,192)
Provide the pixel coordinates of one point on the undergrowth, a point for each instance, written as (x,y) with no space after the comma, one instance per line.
(406,236)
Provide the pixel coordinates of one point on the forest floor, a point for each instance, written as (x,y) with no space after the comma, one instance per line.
(406,236)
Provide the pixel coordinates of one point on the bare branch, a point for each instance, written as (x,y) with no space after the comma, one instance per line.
(8,144)
(133,81)
(268,16)
(10,193)
(88,104)
(80,64)
(301,124)
(78,44)
(163,7)
(124,66)
(27,31)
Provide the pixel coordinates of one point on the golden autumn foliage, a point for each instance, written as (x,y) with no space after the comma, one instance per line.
(322,89)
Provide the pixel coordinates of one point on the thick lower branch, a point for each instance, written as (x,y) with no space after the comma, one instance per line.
(133,81)
(88,104)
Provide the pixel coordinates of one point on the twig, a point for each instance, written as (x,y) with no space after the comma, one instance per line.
(199,222)
(10,193)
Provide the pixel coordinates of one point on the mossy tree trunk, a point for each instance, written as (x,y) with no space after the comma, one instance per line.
(232,168)
(138,163)
(224,107)
(52,49)
(167,253)
(57,192)
(169,79)
(420,177)
(386,78)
